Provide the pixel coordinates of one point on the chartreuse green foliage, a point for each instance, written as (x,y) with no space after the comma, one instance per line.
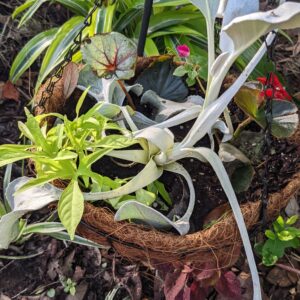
(67,152)
(282,237)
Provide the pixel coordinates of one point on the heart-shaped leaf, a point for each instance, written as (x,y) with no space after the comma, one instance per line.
(160,79)
(285,118)
(110,54)
(238,167)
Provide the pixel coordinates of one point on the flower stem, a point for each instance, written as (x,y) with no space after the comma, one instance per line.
(129,99)
(242,126)
(200,85)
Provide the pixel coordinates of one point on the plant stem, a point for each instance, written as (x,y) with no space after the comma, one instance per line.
(288,268)
(241,127)
(200,85)
(129,99)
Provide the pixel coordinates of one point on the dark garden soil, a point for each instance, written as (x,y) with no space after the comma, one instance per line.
(97,272)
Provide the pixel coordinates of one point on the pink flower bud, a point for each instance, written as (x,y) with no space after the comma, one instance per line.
(183,50)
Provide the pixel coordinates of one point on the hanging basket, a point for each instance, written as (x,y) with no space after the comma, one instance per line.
(220,244)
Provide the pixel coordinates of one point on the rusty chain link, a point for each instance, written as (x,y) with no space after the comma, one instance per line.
(57,74)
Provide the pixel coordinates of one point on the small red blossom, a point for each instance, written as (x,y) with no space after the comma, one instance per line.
(183,50)
(276,90)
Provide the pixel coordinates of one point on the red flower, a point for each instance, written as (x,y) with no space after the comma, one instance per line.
(183,50)
(276,90)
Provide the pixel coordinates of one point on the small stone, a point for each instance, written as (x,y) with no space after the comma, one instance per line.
(279,277)
(292,291)
(292,208)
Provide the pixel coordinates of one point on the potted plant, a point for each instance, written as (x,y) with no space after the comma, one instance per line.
(121,127)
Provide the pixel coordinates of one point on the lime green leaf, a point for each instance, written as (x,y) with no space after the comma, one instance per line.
(150,48)
(270,234)
(61,43)
(110,54)
(285,235)
(280,221)
(36,133)
(23,7)
(163,192)
(115,142)
(70,207)
(11,157)
(30,52)
(80,101)
(292,220)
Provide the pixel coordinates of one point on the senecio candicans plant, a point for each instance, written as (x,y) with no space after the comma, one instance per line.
(72,146)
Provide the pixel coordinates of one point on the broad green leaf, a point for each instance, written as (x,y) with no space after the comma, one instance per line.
(32,8)
(110,55)
(166,19)
(244,31)
(150,48)
(30,53)
(70,207)
(60,45)
(128,17)
(177,29)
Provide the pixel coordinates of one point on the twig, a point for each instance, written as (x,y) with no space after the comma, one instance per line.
(200,85)
(288,268)
(242,126)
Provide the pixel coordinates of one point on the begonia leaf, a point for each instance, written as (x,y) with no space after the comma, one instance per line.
(110,54)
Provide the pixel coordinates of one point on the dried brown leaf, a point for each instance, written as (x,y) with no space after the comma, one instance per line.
(9,91)
(70,78)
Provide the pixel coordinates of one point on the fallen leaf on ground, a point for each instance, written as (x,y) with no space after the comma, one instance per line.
(9,91)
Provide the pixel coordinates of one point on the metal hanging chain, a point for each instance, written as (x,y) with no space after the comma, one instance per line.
(269,86)
(144,28)
(57,74)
